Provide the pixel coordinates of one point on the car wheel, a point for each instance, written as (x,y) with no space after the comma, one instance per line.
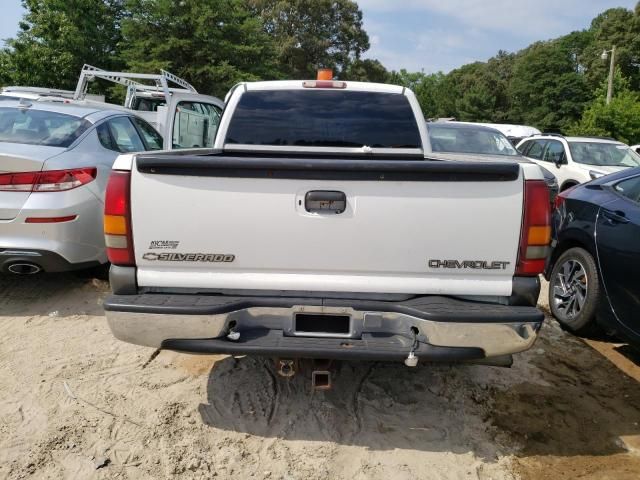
(574,291)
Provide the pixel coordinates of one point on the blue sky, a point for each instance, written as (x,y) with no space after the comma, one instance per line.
(444,34)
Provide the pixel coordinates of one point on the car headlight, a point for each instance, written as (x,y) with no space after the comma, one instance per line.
(595,174)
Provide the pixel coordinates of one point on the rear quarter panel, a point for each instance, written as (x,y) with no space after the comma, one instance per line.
(88,152)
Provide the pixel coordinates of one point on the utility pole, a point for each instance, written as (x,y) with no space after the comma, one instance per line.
(604,56)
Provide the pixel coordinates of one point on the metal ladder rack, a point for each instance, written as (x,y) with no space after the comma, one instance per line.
(130,80)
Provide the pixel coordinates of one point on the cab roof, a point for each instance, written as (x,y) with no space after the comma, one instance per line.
(298,85)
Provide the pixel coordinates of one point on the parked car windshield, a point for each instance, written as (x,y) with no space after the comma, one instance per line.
(604,154)
(38,127)
(324,118)
(468,139)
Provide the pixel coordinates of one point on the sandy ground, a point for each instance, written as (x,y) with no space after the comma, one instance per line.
(75,403)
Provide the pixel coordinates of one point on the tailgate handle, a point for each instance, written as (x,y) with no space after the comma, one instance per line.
(325,201)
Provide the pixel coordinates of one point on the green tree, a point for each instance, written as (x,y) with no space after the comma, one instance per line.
(56,37)
(429,91)
(367,70)
(426,87)
(547,89)
(619,27)
(474,93)
(212,43)
(312,34)
(620,119)
(407,79)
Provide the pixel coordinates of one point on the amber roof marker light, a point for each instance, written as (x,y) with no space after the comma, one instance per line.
(324,80)
(324,74)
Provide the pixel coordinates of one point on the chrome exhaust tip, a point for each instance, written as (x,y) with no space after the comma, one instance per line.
(24,268)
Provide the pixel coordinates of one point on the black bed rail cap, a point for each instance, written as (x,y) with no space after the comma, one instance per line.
(292,167)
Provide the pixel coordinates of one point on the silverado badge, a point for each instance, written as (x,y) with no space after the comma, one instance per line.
(189,257)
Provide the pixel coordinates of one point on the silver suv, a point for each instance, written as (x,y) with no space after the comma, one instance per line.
(55,159)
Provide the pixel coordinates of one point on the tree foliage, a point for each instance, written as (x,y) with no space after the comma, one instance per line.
(619,27)
(212,43)
(366,70)
(56,37)
(620,119)
(546,90)
(311,34)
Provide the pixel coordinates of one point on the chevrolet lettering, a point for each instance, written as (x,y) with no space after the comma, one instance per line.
(475,264)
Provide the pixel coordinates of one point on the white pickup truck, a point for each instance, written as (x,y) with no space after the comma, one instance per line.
(320,226)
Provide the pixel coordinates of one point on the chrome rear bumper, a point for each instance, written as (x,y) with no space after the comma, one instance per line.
(377,330)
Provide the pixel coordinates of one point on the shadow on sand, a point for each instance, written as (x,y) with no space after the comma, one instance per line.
(580,405)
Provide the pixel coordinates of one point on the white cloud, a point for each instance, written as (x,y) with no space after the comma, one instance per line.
(445,34)
(542,18)
(431,49)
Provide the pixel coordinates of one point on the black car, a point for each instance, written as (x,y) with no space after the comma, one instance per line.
(468,141)
(594,266)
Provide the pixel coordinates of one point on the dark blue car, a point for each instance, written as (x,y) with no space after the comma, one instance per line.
(594,267)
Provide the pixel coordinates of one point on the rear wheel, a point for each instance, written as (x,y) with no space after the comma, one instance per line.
(574,291)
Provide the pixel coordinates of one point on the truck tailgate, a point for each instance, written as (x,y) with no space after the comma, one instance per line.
(408,226)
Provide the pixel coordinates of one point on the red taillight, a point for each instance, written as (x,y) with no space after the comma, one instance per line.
(536,229)
(117,219)
(562,196)
(559,200)
(47,181)
(18,182)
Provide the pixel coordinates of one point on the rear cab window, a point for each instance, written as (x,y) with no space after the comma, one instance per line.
(324,118)
(39,127)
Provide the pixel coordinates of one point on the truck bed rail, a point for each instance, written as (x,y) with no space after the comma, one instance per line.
(220,165)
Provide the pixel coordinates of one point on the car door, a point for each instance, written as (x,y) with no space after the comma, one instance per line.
(192,121)
(554,159)
(618,244)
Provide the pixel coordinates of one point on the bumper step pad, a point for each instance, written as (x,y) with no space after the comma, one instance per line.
(369,347)
(432,307)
